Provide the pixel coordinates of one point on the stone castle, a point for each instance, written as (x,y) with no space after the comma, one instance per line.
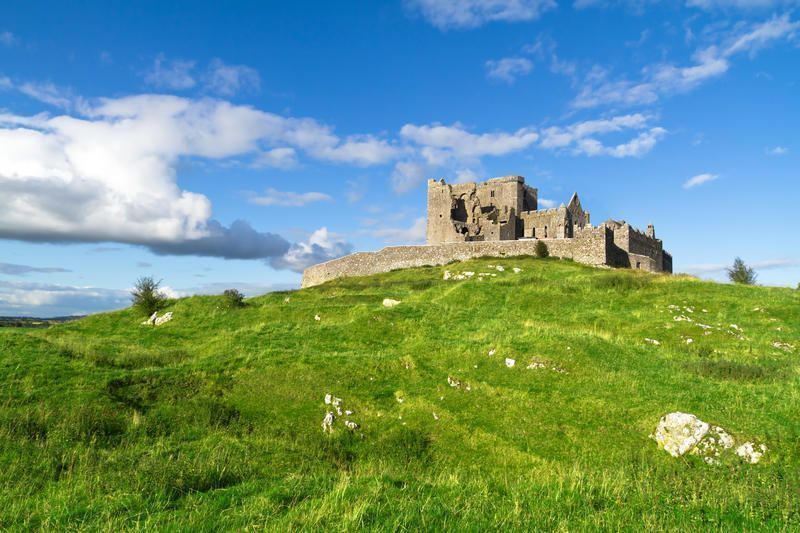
(500,217)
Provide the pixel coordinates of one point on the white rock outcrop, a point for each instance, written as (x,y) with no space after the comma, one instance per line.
(389,302)
(166,317)
(510,362)
(679,432)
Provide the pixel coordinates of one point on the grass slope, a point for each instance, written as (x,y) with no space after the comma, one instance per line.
(212,421)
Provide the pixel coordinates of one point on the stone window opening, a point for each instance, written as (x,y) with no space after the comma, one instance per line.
(638,265)
(545,232)
(491,194)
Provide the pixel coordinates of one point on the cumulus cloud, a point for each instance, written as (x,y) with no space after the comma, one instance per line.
(18,298)
(321,246)
(663,79)
(454,14)
(581,138)
(228,80)
(700,179)
(439,142)
(173,74)
(288,199)
(108,174)
(13,269)
(508,69)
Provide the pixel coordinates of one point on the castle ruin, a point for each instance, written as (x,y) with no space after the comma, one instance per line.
(500,217)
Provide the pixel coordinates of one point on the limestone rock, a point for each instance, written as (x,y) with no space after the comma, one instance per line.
(388,302)
(679,432)
(152,320)
(317,318)
(750,452)
(510,362)
(162,319)
(327,422)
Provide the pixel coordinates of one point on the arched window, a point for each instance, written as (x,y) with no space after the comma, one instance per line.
(545,232)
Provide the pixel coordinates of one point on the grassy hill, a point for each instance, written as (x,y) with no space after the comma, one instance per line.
(213,420)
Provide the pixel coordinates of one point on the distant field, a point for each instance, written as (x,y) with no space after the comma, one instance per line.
(213,420)
(32,322)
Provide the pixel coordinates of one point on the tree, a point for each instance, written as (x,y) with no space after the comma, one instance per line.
(741,273)
(541,249)
(146,296)
(233,298)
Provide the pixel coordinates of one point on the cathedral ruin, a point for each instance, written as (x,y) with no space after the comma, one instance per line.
(501,217)
(506,209)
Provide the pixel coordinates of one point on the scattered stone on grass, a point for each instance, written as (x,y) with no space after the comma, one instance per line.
(785,346)
(317,318)
(510,362)
(516,270)
(389,302)
(499,268)
(435,416)
(492,352)
(652,341)
(352,426)
(152,320)
(683,433)
(156,320)
(750,452)
(327,422)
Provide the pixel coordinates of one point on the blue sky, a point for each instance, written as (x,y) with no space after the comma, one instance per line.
(228,147)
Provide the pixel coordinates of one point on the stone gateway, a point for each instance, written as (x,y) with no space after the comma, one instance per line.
(501,217)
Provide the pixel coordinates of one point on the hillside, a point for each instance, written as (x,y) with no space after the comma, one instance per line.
(213,420)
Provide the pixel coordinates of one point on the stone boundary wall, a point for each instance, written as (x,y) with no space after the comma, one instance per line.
(590,247)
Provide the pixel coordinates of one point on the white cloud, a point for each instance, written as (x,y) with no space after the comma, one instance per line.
(445,141)
(777,150)
(413,234)
(407,174)
(699,180)
(288,199)
(508,69)
(546,203)
(49,94)
(321,246)
(21,298)
(228,80)
(447,14)
(284,158)
(740,4)
(664,79)
(109,174)
(580,138)
(171,74)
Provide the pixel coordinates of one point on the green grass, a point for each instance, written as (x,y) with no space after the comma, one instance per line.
(212,420)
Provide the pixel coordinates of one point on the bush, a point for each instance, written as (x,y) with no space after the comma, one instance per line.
(233,298)
(541,249)
(146,296)
(741,273)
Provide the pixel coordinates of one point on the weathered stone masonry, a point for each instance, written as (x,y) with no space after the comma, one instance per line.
(500,218)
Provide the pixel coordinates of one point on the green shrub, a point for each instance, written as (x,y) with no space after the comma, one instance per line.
(541,249)
(146,296)
(234,299)
(741,273)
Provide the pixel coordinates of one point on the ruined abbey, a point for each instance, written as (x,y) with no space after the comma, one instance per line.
(500,217)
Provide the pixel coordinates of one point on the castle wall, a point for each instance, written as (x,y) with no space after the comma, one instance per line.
(590,246)
(544,224)
(638,251)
